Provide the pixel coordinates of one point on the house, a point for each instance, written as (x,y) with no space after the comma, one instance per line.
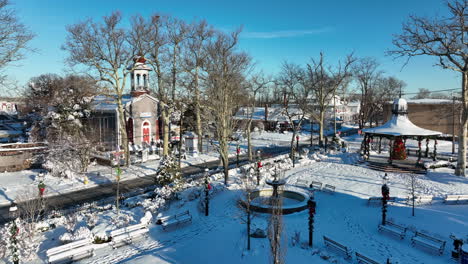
(12,129)
(140,113)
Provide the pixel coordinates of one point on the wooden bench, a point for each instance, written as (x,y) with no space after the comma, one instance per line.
(456,199)
(71,252)
(428,241)
(127,234)
(337,246)
(316,185)
(364,260)
(423,199)
(328,188)
(393,228)
(175,220)
(302,183)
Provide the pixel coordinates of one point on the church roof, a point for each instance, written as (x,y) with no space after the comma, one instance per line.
(106,103)
(399,124)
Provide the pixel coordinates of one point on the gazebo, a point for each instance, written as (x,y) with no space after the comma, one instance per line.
(398,129)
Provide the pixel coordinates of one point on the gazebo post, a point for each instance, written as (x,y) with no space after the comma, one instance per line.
(363,144)
(435,150)
(419,149)
(380,144)
(390,150)
(427,148)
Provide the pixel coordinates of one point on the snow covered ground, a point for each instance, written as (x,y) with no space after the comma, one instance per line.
(14,183)
(343,216)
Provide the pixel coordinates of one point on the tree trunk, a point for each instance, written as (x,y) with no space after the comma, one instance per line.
(165,119)
(322,117)
(249,140)
(123,132)
(461,164)
(292,144)
(198,127)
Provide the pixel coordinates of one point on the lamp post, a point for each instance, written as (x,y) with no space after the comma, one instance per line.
(207,190)
(385,197)
(259,165)
(237,154)
(14,230)
(312,205)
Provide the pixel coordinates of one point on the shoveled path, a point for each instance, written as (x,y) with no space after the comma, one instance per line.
(102,191)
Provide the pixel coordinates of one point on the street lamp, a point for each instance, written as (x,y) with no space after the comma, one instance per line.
(259,165)
(207,190)
(385,198)
(312,205)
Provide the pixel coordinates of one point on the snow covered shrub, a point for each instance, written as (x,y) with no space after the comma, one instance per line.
(122,220)
(168,172)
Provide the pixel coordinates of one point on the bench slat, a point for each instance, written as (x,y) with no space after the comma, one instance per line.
(343,249)
(428,241)
(69,246)
(366,260)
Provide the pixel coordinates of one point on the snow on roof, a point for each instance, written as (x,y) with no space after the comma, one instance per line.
(399,124)
(108,103)
(429,101)
(275,113)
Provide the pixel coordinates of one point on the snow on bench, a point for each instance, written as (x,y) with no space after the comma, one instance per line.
(302,183)
(316,185)
(175,220)
(337,246)
(328,188)
(378,200)
(423,199)
(456,199)
(428,241)
(128,237)
(393,228)
(70,252)
(128,234)
(364,260)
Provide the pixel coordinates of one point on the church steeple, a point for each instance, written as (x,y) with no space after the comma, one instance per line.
(139,76)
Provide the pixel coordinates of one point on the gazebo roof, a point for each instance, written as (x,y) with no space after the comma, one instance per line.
(399,124)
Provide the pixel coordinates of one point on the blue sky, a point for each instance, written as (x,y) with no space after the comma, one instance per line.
(273,31)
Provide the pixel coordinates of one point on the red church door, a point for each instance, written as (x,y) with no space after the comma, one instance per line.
(146,131)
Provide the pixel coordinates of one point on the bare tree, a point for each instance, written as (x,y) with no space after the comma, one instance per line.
(244,204)
(322,81)
(14,37)
(445,39)
(413,184)
(256,84)
(422,93)
(225,68)
(275,232)
(104,49)
(151,38)
(367,75)
(295,98)
(199,35)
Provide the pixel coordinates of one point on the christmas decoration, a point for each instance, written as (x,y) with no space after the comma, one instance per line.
(399,149)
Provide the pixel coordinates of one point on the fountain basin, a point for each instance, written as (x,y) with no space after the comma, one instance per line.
(293,201)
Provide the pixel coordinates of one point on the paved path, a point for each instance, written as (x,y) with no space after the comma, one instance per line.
(98,192)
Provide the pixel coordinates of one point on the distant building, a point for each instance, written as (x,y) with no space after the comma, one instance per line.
(434,114)
(140,112)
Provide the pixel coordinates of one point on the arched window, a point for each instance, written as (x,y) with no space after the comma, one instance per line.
(138,80)
(145,80)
